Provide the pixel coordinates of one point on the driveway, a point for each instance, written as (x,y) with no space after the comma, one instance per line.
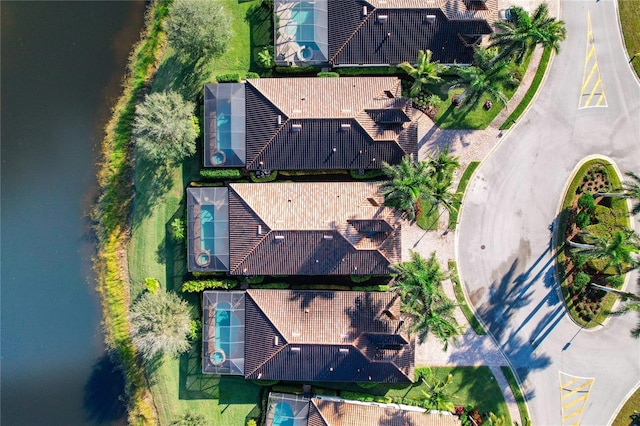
(503,244)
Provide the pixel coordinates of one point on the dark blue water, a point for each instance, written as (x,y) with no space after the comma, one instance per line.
(62,63)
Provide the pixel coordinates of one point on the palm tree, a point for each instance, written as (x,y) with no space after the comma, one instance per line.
(407,181)
(444,164)
(487,76)
(518,37)
(425,71)
(632,190)
(419,285)
(632,305)
(437,397)
(617,248)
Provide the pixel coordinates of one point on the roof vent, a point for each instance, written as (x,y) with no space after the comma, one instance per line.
(344,350)
(296,127)
(328,237)
(431,19)
(295,349)
(279,237)
(373,201)
(364,11)
(345,126)
(279,119)
(276,341)
(382,19)
(259,229)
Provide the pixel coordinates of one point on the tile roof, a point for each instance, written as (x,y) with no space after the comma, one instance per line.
(381,32)
(320,228)
(326,336)
(327,411)
(327,123)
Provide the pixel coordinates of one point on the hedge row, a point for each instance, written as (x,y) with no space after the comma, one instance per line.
(220,173)
(202,285)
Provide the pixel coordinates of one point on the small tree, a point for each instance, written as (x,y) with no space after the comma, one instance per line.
(425,71)
(199,29)
(165,128)
(189,419)
(160,324)
(177,229)
(265,57)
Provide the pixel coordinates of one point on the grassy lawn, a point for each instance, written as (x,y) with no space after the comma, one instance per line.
(178,386)
(462,186)
(470,385)
(630,18)
(252,26)
(462,302)
(624,416)
(517,394)
(429,217)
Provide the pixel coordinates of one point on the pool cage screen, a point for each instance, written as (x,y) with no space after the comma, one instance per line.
(304,23)
(208,229)
(224,125)
(287,409)
(223,332)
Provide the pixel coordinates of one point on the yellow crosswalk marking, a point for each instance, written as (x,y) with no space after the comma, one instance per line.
(570,382)
(575,401)
(575,413)
(574,392)
(591,95)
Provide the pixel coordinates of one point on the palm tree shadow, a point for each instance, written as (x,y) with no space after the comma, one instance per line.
(104,393)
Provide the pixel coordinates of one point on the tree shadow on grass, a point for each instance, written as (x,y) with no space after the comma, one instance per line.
(104,393)
(480,384)
(260,22)
(181,75)
(152,181)
(173,253)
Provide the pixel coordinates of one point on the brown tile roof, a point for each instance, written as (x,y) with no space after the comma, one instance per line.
(329,412)
(327,123)
(311,229)
(326,336)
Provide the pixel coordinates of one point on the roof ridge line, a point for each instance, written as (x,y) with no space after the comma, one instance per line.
(348,40)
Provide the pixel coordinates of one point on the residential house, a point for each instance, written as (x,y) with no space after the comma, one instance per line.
(308,124)
(379,32)
(309,336)
(327,228)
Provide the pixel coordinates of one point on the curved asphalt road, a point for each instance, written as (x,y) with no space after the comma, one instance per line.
(510,206)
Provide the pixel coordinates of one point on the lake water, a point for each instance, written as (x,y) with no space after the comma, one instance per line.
(62,63)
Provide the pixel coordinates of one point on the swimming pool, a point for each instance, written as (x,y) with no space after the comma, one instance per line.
(222,333)
(283,414)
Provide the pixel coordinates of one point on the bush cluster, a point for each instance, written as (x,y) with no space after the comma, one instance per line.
(220,173)
(329,74)
(229,77)
(269,178)
(367,174)
(198,286)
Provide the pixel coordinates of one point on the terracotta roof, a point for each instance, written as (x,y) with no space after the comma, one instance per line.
(391,32)
(326,123)
(330,412)
(311,229)
(326,336)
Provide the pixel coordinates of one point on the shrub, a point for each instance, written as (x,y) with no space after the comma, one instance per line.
(257,279)
(265,382)
(220,173)
(367,174)
(364,71)
(251,422)
(583,219)
(325,74)
(268,178)
(587,202)
(271,286)
(251,75)
(228,77)
(195,330)
(615,281)
(189,419)
(367,385)
(380,287)
(294,389)
(360,278)
(198,286)
(581,279)
(579,259)
(308,70)
(177,229)
(265,58)
(152,285)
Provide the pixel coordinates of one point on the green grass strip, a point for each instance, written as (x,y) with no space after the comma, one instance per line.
(528,97)
(462,302)
(462,186)
(111,214)
(517,394)
(630,20)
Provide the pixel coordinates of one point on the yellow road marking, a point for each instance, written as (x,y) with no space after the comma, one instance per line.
(582,386)
(570,382)
(587,91)
(586,82)
(571,415)
(575,401)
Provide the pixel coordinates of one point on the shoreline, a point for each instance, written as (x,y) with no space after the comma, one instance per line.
(111,214)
